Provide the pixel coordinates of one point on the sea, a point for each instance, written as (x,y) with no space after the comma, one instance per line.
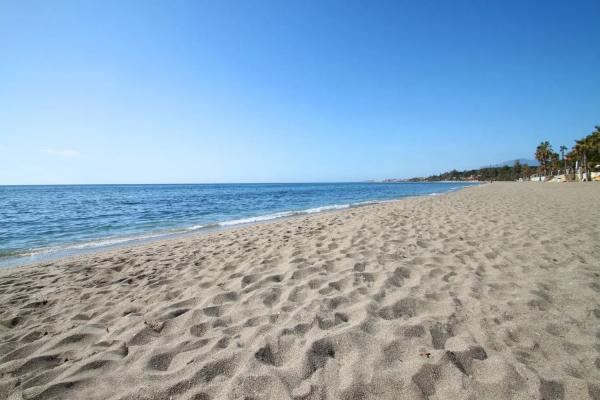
(39,223)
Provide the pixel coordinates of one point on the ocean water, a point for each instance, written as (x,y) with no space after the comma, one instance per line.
(43,222)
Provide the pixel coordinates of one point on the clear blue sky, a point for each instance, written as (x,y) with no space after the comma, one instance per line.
(270,91)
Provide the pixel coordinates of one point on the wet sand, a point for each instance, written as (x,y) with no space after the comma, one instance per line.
(492,292)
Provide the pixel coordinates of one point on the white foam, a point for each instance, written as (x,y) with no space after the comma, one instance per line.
(259,218)
(195,227)
(90,245)
(324,208)
(284,214)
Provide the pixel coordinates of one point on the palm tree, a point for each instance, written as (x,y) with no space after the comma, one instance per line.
(517,168)
(542,154)
(563,148)
(525,171)
(578,153)
(593,144)
(587,150)
(554,159)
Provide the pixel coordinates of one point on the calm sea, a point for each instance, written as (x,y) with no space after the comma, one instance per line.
(43,222)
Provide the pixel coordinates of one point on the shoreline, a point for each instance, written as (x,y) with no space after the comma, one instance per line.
(487,293)
(89,248)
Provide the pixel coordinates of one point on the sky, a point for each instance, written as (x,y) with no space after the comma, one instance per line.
(288,91)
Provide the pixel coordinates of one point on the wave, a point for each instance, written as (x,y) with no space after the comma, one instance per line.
(260,218)
(284,214)
(106,242)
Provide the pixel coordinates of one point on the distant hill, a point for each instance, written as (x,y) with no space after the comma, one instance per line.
(510,163)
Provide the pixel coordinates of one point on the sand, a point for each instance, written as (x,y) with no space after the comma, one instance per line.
(491,292)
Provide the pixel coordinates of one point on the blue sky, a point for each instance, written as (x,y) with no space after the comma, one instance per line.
(272,91)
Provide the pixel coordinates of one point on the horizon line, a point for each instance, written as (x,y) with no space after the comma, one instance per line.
(400,180)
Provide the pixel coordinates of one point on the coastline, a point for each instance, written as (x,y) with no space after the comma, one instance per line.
(53,254)
(489,292)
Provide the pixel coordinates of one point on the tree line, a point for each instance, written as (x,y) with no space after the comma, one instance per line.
(583,157)
(504,173)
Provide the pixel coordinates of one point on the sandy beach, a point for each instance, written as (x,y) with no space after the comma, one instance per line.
(492,292)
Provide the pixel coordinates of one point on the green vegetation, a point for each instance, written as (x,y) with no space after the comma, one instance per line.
(584,157)
(505,173)
(543,154)
(586,152)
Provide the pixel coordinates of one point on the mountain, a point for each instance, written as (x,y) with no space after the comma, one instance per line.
(510,163)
